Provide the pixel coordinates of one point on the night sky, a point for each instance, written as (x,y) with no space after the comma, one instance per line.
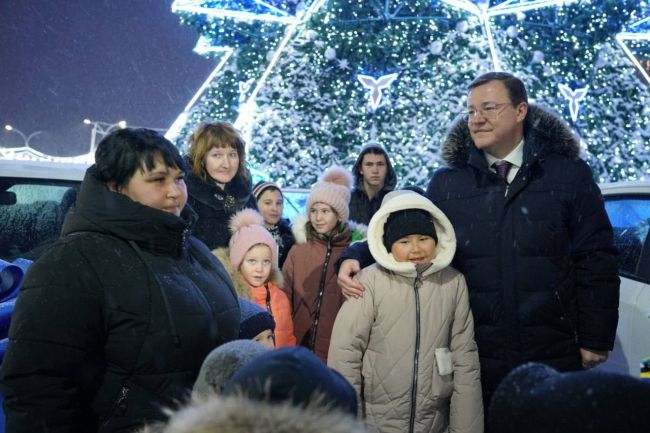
(63,61)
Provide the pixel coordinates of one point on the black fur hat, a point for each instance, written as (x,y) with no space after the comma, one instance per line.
(535,398)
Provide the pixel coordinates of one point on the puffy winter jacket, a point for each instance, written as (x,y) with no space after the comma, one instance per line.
(269,296)
(310,284)
(114,321)
(215,206)
(537,254)
(408,344)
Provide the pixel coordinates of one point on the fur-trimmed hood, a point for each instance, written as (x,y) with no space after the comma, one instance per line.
(241,286)
(401,200)
(241,415)
(544,132)
(302,233)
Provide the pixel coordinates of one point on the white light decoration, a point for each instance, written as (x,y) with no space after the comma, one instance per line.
(484,12)
(639,31)
(202,47)
(244,86)
(574,97)
(288,34)
(301,109)
(272,14)
(267,11)
(376,86)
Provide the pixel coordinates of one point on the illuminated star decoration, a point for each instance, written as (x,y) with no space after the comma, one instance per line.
(574,97)
(376,86)
(244,86)
(639,31)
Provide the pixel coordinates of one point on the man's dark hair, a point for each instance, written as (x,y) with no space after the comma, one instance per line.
(514,86)
(371,150)
(124,151)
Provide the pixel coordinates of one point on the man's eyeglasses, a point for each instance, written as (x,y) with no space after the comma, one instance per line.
(489,111)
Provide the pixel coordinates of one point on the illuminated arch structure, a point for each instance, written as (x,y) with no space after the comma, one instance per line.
(502,24)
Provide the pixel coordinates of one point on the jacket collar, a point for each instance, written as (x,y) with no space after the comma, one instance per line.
(545,133)
(100,210)
(301,229)
(237,190)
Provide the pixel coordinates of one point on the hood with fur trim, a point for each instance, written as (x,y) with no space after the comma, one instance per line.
(241,415)
(300,228)
(400,200)
(544,132)
(241,286)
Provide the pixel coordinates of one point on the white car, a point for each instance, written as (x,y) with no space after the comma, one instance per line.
(628,207)
(34,197)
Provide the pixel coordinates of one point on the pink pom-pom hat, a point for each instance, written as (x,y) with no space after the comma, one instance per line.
(247,228)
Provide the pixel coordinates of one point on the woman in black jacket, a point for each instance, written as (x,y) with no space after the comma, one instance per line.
(115,319)
(219,184)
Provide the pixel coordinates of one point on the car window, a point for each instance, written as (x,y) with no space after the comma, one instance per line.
(294,202)
(31,215)
(630,218)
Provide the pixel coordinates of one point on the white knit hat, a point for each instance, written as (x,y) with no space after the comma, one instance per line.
(333,189)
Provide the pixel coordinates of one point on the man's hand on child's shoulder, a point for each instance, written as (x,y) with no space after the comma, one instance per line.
(350,288)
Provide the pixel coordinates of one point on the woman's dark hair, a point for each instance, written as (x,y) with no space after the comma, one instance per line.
(124,151)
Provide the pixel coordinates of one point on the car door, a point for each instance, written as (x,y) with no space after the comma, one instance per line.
(629,214)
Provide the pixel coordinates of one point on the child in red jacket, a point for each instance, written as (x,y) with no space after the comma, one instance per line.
(253,258)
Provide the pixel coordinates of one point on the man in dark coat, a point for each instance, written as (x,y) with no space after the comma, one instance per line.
(374,177)
(534,240)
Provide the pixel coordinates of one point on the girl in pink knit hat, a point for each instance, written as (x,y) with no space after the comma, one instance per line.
(252,261)
(310,280)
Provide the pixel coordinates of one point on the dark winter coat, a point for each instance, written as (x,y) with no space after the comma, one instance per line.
(363,208)
(283,238)
(215,207)
(114,321)
(537,254)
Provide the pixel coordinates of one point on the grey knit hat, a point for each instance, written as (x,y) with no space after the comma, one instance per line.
(222,363)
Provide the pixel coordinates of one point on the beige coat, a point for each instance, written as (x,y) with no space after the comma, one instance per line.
(408,344)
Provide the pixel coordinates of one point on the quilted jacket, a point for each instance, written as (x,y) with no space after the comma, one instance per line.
(407,345)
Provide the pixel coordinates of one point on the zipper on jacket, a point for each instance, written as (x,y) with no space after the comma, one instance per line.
(319,300)
(416,357)
(268,306)
(119,406)
(565,315)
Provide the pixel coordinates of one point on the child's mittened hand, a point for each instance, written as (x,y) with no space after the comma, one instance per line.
(350,288)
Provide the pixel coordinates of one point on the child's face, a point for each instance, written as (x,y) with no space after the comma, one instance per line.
(323,218)
(270,205)
(256,266)
(416,249)
(265,338)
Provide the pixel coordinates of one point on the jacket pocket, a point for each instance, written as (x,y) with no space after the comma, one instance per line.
(444,363)
(443,375)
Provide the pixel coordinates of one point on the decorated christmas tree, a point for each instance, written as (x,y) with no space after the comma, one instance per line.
(310,82)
